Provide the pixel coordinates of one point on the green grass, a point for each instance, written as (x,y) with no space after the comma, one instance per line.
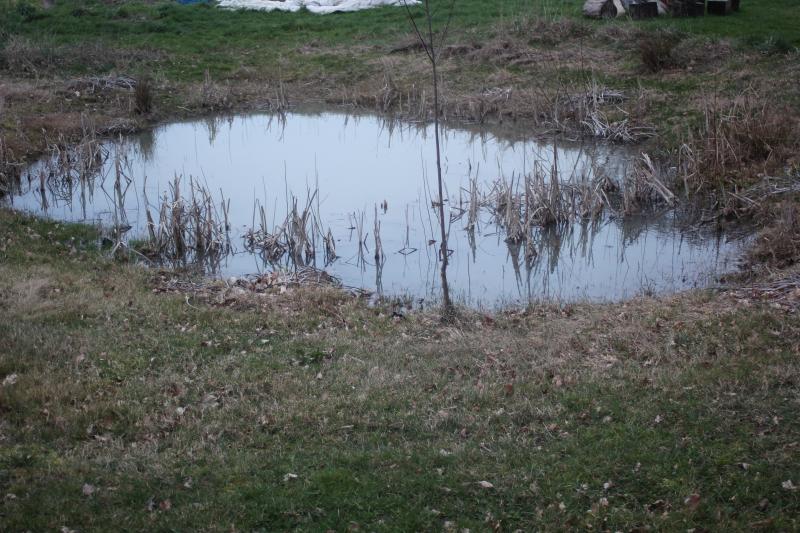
(199,37)
(753,24)
(193,38)
(617,414)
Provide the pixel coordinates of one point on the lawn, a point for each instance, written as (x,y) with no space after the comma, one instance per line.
(193,38)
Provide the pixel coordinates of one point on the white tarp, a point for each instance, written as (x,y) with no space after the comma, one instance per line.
(315,6)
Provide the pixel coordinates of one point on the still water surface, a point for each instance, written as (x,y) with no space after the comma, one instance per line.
(363,164)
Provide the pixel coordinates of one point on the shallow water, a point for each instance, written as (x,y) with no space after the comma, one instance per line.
(363,164)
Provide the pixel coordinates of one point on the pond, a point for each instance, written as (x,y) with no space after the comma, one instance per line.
(356,185)
(321,7)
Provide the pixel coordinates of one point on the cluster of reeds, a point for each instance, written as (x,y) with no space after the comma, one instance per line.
(69,162)
(551,197)
(10,171)
(643,187)
(296,239)
(737,141)
(67,166)
(542,198)
(191,227)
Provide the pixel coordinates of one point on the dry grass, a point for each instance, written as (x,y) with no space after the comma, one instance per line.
(143,97)
(657,50)
(204,405)
(42,58)
(778,245)
(739,142)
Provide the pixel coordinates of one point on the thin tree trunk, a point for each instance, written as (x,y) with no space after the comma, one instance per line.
(444,252)
(430,47)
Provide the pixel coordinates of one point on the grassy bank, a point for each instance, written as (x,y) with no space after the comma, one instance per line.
(123,405)
(506,60)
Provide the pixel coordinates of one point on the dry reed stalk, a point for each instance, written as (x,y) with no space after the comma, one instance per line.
(379,255)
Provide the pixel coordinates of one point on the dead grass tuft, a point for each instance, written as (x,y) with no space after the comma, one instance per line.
(737,142)
(657,50)
(778,245)
(143,97)
(557,30)
(211,95)
(26,57)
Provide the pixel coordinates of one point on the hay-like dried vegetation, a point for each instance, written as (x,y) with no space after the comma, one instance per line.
(657,50)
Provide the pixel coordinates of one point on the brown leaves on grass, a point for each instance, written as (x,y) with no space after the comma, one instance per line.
(692,501)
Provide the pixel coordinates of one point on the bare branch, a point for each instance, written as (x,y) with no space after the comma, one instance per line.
(422,41)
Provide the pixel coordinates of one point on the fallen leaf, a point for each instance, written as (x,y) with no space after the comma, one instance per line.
(692,501)
(657,506)
(88,490)
(788,485)
(289,477)
(10,379)
(485,485)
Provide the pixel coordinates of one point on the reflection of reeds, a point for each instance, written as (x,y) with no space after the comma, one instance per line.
(407,249)
(330,248)
(9,171)
(358,223)
(376,232)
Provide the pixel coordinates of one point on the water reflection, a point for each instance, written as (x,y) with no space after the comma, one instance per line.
(351,194)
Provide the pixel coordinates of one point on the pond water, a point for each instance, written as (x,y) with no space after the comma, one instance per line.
(320,7)
(356,171)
